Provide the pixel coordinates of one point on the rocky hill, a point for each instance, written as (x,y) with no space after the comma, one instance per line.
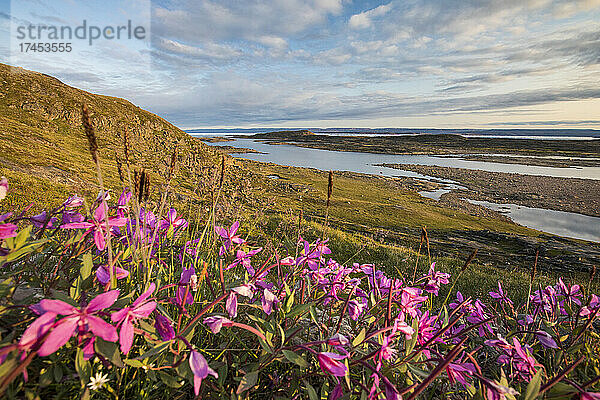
(44,151)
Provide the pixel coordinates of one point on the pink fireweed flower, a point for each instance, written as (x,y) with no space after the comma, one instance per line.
(356,307)
(8,230)
(140,308)
(98,226)
(73,202)
(243,258)
(501,296)
(411,300)
(435,280)
(571,295)
(459,372)
(216,322)
(546,339)
(36,330)
(338,340)
(3,188)
(589,396)
(39,220)
(268,300)
(164,327)
(83,319)
(591,307)
(200,369)
(337,392)
(228,237)
(122,205)
(173,220)
(231,305)
(182,288)
(332,363)
(103,274)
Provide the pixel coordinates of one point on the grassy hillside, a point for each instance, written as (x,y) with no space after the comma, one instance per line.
(45,152)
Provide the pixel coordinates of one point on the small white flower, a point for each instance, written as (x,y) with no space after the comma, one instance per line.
(96,382)
(194,282)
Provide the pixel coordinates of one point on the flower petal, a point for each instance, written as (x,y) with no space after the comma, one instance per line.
(103,300)
(57,306)
(60,335)
(126,335)
(102,328)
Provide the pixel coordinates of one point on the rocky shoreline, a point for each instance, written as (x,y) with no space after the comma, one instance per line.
(561,194)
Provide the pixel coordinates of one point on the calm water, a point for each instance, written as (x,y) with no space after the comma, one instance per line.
(291,155)
(556,222)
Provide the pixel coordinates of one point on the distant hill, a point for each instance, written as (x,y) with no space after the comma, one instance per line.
(284,134)
(44,152)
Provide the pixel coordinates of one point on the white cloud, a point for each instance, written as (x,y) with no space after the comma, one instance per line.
(364,19)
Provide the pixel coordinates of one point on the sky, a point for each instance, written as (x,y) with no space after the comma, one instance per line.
(331,63)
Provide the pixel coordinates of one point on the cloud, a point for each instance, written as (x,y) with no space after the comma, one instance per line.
(365,19)
(252,20)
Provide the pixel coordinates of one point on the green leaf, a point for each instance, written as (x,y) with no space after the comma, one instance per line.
(169,380)
(359,338)
(300,309)
(533,388)
(88,264)
(83,367)
(312,393)
(110,351)
(134,363)
(248,381)
(295,358)
(289,302)
(410,344)
(159,348)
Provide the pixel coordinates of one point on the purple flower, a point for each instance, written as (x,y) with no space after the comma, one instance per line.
(173,220)
(73,202)
(182,288)
(501,296)
(338,340)
(3,188)
(200,369)
(71,216)
(124,199)
(410,300)
(231,305)
(337,392)
(244,258)
(126,317)
(435,279)
(164,327)
(98,226)
(39,220)
(75,318)
(332,363)
(228,237)
(459,372)
(268,300)
(591,307)
(103,274)
(355,308)
(216,322)
(546,340)
(8,230)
